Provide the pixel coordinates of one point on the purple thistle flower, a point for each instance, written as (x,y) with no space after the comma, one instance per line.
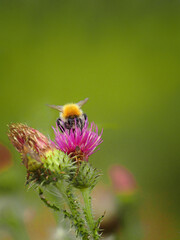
(84,141)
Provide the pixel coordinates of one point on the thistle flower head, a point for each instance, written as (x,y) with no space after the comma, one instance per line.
(5,157)
(22,136)
(122,179)
(78,142)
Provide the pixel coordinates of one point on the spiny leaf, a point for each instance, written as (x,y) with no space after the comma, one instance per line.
(47,203)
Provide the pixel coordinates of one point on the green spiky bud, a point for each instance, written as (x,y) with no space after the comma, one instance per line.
(57,161)
(86,176)
(56,165)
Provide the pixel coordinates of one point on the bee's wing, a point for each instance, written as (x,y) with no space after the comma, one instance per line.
(59,108)
(82,102)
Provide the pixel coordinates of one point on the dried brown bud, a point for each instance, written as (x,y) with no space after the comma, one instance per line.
(22,136)
(30,143)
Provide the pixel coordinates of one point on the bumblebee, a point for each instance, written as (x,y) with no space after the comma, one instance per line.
(71,115)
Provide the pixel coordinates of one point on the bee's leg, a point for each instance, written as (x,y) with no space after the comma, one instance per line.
(80,124)
(83,121)
(77,122)
(60,125)
(68,125)
(85,116)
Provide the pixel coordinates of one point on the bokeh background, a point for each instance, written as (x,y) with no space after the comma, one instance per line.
(124,56)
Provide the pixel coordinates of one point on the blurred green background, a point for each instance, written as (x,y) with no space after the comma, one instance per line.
(124,56)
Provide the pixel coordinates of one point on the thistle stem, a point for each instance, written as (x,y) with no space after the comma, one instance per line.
(88,213)
(75,215)
(87,201)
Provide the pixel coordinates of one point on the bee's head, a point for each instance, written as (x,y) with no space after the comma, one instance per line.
(71,109)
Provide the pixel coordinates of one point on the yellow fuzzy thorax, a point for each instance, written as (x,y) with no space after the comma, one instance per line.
(71,110)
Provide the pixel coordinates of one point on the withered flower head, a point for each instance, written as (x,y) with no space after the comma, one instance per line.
(23,137)
(30,143)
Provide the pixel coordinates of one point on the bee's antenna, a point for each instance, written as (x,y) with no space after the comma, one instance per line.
(59,108)
(82,102)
